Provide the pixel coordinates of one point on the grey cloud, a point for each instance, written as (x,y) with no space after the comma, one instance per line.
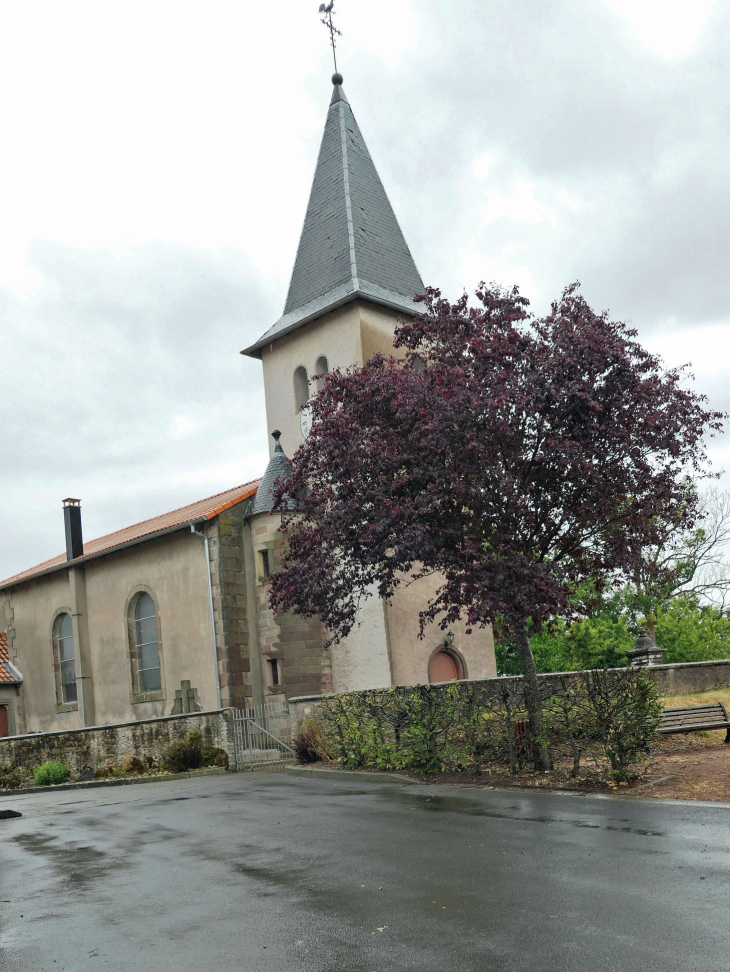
(97,366)
(100,361)
(561,94)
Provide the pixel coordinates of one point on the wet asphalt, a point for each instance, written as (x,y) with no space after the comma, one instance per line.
(278,873)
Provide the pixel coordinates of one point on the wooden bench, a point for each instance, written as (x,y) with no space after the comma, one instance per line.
(696,718)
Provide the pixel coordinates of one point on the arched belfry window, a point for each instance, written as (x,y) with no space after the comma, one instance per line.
(63,637)
(146,655)
(321,369)
(301,388)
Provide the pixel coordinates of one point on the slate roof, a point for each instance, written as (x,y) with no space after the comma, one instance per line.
(351,244)
(9,674)
(204,509)
(278,468)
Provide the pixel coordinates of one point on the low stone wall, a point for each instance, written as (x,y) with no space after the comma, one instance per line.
(101,746)
(691,677)
(686,678)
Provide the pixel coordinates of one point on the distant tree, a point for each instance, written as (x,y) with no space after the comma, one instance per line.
(600,641)
(512,456)
(684,563)
(691,631)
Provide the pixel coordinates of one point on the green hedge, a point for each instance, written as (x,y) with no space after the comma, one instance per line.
(610,714)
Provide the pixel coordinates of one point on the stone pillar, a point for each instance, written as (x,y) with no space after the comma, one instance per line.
(254,648)
(645,653)
(82,650)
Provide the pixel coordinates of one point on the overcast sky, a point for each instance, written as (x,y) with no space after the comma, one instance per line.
(155,171)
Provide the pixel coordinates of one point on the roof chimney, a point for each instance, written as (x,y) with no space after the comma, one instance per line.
(72,522)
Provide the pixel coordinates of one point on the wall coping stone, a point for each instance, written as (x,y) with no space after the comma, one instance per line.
(677,666)
(113,725)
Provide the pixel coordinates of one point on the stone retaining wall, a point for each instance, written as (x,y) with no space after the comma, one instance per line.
(687,678)
(101,746)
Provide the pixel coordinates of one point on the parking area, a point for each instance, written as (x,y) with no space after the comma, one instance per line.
(272,872)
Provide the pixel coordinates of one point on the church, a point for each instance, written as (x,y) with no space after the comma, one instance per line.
(172,614)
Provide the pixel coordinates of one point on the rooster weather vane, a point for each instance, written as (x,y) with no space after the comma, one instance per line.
(326,9)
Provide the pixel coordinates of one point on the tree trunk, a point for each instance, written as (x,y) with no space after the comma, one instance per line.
(532,701)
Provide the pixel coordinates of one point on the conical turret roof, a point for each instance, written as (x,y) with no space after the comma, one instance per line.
(278,469)
(351,244)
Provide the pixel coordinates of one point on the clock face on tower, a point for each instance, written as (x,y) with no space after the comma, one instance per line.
(305,420)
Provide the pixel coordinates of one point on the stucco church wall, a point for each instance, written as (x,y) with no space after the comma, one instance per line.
(361,660)
(411,655)
(33,606)
(172,568)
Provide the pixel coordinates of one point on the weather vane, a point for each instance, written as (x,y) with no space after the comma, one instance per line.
(326,9)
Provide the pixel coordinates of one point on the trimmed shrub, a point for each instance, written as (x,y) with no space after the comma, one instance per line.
(183,754)
(51,773)
(10,777)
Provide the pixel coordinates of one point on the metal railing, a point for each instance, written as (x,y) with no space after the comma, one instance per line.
(262,736)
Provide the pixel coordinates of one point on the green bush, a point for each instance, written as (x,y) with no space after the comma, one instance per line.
(10,777)
(183,754)
(51,773)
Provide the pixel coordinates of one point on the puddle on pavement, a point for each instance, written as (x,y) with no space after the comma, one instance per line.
(474,808)
(78,865)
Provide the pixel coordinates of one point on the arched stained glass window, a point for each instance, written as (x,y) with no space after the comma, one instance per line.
(64,635)
(146,644)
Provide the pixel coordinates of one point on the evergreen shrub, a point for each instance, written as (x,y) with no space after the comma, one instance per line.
(51,773)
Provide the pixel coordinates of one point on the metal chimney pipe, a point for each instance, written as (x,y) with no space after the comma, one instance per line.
(72,522)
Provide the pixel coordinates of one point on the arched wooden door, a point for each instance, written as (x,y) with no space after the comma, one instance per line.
(443,668)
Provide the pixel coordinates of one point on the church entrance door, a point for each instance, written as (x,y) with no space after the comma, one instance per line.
(443,668)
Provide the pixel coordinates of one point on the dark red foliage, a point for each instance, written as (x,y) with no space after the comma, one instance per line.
(515,456)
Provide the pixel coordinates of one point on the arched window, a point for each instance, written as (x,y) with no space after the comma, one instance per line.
(147,653)
(301,388)
(321,369)
(446,666)
(63,635)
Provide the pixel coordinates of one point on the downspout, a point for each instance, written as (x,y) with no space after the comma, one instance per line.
(212,613)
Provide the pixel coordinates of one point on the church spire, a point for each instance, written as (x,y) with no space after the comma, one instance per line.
(351,245)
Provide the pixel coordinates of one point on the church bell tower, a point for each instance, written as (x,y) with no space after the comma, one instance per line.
(353,277)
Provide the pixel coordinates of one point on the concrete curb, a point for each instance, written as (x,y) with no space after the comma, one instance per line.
(123,781)
(332,774)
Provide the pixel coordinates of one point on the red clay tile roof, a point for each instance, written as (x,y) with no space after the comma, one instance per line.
(7,674)
(204,509)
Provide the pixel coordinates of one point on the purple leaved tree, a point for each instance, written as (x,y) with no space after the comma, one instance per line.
(514,456)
